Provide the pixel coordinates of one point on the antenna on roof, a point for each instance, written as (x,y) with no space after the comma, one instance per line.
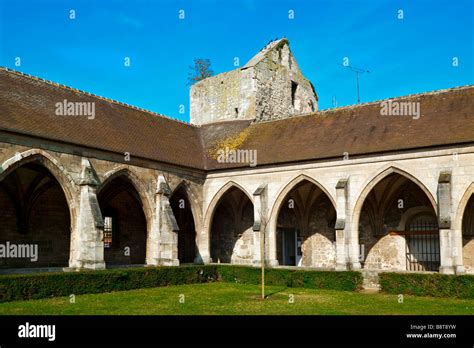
(357,71)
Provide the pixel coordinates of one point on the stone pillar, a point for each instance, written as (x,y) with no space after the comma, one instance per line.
(458,259)
(352,235)
(444,223)
(162,243)
(341,214)
(260,222)
(271,236)
(87,245)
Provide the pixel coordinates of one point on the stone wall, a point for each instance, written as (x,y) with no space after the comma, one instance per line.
(78,234)
(281,89)
(422,168)
(272,88)
(231,231)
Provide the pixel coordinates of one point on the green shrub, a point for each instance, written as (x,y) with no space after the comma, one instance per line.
(41,285)
(349,281)
(431,284)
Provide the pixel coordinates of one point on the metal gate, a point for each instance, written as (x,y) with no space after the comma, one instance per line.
(422,245)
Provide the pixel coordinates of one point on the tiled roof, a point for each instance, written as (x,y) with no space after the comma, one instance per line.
(447,118)
(27,106)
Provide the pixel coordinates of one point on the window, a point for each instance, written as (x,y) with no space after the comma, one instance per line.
(108,228)
(294,87)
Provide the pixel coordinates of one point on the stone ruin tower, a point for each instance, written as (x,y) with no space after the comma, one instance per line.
(270,86)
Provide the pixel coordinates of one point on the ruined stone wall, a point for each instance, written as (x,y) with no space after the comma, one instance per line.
(281,89)
(273,88)
(218,98)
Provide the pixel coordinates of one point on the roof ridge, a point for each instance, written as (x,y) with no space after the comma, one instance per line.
(373,102)
(110,100)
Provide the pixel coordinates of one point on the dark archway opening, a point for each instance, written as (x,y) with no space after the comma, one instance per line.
(398,227)
(231,229)
(305,228)
(187,231)
(125,227)
(34,213)
(468,235)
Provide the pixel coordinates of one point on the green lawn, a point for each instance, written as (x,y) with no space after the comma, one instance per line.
(225,298)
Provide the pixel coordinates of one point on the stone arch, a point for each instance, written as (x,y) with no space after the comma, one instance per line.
(316,243)
(289,186)
(230,239)
(377,178)
(139,186)
(62,182)
(387,250)
(190,222)
(193,198)
(123,198)
(64,179)
(466,242)
(216,198)
(409,214)
(468,192)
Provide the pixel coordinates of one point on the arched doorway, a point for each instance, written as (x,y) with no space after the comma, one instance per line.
(468,235)
(231,228)
(305,228)
(34,213)
(398,227)
(187,231)
(125,227)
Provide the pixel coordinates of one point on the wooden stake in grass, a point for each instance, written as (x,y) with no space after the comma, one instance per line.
(262,260)
(263,228)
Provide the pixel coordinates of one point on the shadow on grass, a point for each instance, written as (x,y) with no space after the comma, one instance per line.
(275,292)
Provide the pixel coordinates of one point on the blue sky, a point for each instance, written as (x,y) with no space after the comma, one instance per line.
(404,56)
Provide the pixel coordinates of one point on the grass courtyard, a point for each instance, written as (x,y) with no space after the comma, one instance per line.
(220,298)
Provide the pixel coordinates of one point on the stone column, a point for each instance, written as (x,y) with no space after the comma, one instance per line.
(458,259)
(341,214)
(444,223)
(260,222)
(271,236)
(87,245)
(352,235)
(162,243)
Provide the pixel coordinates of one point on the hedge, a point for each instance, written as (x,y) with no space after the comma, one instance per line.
(348,281)
(43,285)
(432,284)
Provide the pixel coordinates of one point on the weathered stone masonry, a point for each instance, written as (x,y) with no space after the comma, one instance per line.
(338,189)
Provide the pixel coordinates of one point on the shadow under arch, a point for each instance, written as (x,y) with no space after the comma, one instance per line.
(233,206)
(310,221)
(127,216)
(40,196)
(377,178)
(388,201)
(137,183)
(42,157)
(182,203)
